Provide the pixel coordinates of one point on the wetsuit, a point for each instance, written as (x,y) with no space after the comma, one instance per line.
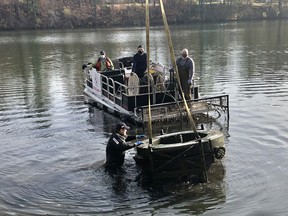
(115,149)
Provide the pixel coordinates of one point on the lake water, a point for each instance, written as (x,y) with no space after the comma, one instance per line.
(52,145)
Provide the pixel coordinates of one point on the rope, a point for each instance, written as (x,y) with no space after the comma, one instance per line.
(148,63)
(172,159)
(178,78)
(175,66)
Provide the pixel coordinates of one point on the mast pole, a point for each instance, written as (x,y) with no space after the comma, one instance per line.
(148,71)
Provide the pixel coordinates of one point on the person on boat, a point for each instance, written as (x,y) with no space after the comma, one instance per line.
(103,63)
(186,70)
(118,143)
(139,62)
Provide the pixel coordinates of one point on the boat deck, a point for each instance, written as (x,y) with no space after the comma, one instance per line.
(110,90)
(176,111)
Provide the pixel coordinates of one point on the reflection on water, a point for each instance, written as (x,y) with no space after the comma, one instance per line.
(53,145)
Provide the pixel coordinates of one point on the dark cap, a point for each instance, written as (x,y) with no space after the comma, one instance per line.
(121,125)
(102,52)
(140,46)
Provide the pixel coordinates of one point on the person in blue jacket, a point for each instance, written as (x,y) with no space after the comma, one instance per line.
(118,143)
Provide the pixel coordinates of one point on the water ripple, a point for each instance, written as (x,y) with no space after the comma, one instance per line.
(50,139)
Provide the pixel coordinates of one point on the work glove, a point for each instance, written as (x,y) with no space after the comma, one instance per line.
(138,143)
(84,66)
(140,136)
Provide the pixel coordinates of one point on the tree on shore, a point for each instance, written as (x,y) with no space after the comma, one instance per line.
(47,14)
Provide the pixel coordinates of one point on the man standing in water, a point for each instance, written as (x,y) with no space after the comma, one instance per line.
(118,144)
(186,70)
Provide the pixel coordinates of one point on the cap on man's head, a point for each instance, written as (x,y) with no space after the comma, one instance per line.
(102,52)
(140,46)
(185,51)
(121,125)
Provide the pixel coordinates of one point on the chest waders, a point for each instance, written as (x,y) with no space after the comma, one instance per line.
(183,71)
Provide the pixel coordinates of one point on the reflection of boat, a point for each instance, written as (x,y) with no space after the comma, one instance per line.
(118,91)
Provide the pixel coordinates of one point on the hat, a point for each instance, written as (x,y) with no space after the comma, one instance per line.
(121,125)
(140,46)
(102,52)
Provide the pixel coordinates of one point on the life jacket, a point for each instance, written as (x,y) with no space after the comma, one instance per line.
(107,61)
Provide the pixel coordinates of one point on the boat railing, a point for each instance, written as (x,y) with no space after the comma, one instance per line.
(114,90)
(88,79)
(113,86)
(175,111)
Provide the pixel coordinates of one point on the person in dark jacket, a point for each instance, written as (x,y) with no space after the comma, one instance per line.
(118,143)
(140,62)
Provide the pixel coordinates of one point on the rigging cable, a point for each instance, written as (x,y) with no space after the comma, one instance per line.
(148,63)
(168,36)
